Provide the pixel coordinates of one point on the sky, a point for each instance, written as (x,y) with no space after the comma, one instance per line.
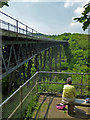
(51,17)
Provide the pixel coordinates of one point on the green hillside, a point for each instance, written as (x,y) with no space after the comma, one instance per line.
(78,51)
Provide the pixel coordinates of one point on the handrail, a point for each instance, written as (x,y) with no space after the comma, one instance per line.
(62,72)
(17,26)
(18,89)
(32,33)
(23,88)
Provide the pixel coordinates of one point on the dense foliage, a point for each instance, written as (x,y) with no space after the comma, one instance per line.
(77,52)
(85,18)
(31,107)
(74,57)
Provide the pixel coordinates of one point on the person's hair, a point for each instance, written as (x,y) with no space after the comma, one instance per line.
(69,80)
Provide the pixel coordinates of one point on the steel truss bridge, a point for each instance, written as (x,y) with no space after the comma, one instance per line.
(21,43)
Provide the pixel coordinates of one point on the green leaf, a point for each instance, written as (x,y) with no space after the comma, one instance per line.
(3,3)
(85,18)
(85,25)
(87,10)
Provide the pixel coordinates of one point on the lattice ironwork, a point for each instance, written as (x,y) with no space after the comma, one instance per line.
(19,45)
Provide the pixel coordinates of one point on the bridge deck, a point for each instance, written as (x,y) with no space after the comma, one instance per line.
(10,34)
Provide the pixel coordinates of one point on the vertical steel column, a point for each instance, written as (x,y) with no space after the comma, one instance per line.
(26,31)
(8,26)
(20,74)
(45,52)
(40,61)
(56,59)
(23,71)
(29,69)
(52,56)
(36,63)
(60,58)
(10,83)
(17,29)
(32,32)
(13,80)
(29,53)
(50,62)
(36,57)
(50,59)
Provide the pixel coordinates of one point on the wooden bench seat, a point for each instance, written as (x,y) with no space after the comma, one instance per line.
(77,102)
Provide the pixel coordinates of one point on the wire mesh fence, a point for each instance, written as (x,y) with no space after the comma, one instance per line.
(52,82)
(15,105)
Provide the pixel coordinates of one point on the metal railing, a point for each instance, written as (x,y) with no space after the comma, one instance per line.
(15,105)
(42,81)
(55,80)
(18,27)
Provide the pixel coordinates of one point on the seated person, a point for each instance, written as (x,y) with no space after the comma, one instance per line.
(69,92)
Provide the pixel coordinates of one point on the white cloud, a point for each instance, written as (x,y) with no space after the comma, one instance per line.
(75,27)
(73,24)
(78,10)
(73,1)
(68,4)
(24,0)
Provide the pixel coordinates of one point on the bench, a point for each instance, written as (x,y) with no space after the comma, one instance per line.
(77,102)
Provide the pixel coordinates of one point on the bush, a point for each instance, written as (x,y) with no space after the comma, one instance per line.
(31,107)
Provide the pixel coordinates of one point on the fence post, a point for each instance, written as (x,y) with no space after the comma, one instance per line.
(17,29)
(8,26)
(26,30)
(21,101)
(32,32)
(37,82)
(81,82)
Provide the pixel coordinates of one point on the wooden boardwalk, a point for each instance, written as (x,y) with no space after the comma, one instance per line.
(47,109)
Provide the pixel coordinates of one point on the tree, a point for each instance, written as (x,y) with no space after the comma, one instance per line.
(85,17)
(3,3)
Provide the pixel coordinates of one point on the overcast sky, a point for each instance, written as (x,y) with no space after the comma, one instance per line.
(52,17)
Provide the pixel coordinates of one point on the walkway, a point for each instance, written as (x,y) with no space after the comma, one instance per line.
(48,109)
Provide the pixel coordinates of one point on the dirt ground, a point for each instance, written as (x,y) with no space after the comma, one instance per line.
(47,109)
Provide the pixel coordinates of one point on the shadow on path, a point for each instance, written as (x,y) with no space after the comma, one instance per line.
(47,110)
(48,107)
(40,107)
(79,113)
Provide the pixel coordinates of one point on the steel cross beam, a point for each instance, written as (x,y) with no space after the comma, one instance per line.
(19,45)
(15,54)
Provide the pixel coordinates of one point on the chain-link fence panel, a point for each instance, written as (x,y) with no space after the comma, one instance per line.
(15,105)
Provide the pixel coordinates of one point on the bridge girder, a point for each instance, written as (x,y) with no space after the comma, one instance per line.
(16,52)
(19,45)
